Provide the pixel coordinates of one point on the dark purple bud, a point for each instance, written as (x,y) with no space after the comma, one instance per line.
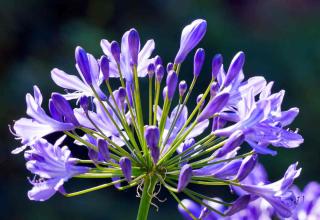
(157,60)
(235,140)
(93,155)
(115,50)
(152,135)
(134,45)
(214,88)
(246,167)
(103,149)
(164,92)
(198,61)
(172,80)
(84,103)
(83,64)
(169,67)
(159,72)
(234,68)
(193,207)
(240,204)
(216,65)
(122,94)
(190,37)
(104,67)
(125,165)
(182,88)
(199,99)
(151,69)
(215,105)
(184,177)
(63,107)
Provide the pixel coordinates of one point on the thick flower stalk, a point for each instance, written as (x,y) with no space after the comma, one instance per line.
(174,145)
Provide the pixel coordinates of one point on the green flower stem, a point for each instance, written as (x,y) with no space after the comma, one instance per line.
(150,182)
(177,158)
(156,101)
(93,188)
(150,100)
(135,146)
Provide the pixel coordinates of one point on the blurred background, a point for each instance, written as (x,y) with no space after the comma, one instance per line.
(281,40)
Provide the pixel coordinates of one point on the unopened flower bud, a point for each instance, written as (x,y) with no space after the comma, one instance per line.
(125,165)
(64,108)
(151,69)
(190,37)
(103,149)
(159,72)
(152,135)
(104,67)
(172,80)
(83,64)
(169,67)
(182,87)
(134,45)
(115,50)
(198,61)
(215,105)
(157,60)
(184,177)
(216,65)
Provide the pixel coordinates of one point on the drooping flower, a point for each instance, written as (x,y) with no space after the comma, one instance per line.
(52,165)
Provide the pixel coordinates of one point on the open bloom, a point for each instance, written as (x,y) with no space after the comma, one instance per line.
(52,166)
(140,132)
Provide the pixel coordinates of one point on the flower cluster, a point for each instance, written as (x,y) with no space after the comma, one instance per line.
(306,203)
(170,146)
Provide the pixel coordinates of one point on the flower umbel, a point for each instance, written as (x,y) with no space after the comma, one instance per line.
(172,146)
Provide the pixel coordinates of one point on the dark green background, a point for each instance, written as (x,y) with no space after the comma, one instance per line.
(281,40)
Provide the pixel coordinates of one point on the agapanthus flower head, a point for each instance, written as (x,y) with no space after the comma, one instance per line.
(181,141)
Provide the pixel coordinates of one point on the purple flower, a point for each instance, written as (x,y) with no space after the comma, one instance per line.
(190,37)
(29,130)
(134,45)
(217,62)
(234,69)
(53,166)
(182,88)
(184,177)
(86,64)
(262,122)
(233,141)
(198,61)
(141,57)
(83,64)
(152,136)
(172,80)
(278,194)
(193,207)
(159,72)
(104,67)
(308,208)
(102,120)
(215,105)
(115,51)
(125,165)
(181,120)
